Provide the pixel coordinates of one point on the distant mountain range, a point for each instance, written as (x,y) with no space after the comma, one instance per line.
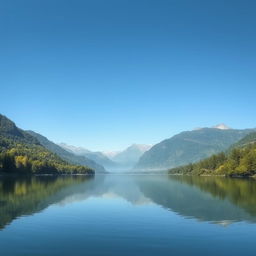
(182,149)
(130,156)
(189,147)
(111,160)
(98,157)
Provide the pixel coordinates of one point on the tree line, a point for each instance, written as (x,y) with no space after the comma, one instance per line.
(237,162)
(19,157)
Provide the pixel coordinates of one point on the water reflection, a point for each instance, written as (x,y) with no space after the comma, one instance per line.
(27,195)
(210,199)
(241,192)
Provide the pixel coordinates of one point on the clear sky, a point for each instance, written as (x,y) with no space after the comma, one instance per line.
(107,73)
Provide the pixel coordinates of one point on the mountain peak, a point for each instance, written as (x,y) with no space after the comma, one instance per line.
(74,149)
(141,147)
(128,157)
(222,126)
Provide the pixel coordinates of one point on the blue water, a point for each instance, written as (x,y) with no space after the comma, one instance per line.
(127,215)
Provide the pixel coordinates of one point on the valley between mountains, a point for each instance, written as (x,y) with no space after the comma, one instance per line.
(219,150)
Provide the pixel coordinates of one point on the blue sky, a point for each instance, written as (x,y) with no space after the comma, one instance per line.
(105,74)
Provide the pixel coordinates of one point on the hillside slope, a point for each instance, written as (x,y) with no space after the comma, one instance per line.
(64,154)
(248,139)
(189,147)
(130,156)
(97,157)
(22,153)
(239,160)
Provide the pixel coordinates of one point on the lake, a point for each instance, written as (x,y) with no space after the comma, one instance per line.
(127,215)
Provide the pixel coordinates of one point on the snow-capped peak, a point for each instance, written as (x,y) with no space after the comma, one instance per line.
(222,127)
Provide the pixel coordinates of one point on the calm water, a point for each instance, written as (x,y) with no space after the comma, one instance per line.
(127,215)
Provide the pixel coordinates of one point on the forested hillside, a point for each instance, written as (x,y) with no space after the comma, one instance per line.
(22,153)
(66,155)
(240,160)
(189,147)
(248,139)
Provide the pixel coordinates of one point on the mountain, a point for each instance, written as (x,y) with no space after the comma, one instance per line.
(239,160)
(101,159)
(22,153)
(111,160)
(111,154)
(130,156)
(66,155)
(75,150)
(248,139)
(189,147)
(98,157)
(8,130)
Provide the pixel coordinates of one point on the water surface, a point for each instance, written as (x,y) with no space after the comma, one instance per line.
(127,215)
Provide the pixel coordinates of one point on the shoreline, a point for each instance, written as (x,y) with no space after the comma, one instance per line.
(216,175)
(41,175)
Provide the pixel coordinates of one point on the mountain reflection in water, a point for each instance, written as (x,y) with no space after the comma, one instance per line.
(212,199)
